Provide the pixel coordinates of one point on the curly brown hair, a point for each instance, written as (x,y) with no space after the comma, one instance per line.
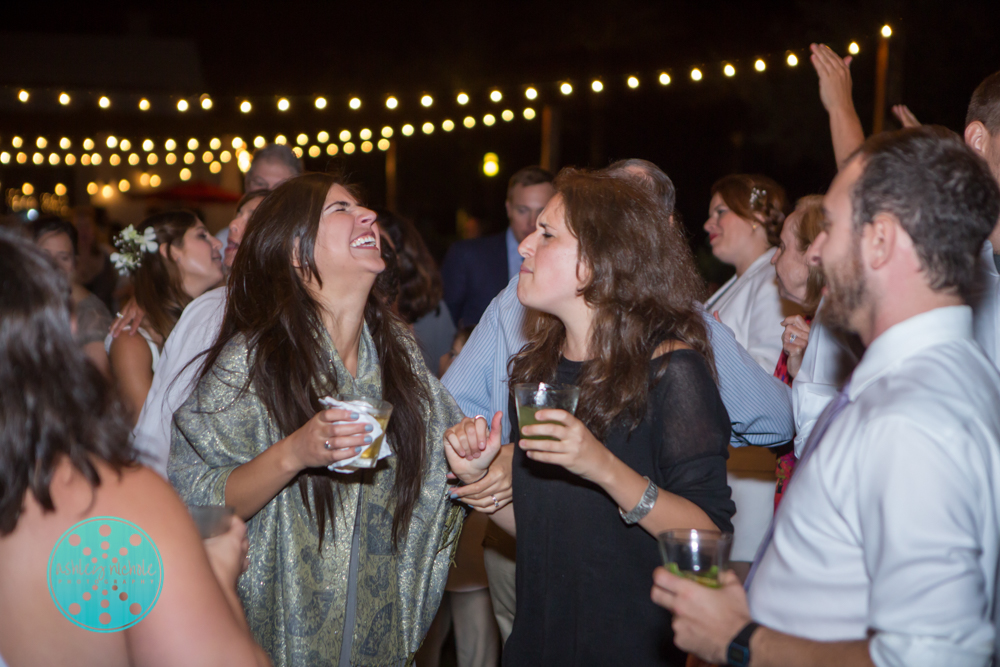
(645,290)
(757,199)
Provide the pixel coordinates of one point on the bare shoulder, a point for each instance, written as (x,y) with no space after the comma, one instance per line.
(131,349)
(668,346)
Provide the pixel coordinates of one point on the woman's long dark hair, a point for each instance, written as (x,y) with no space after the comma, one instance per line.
(157,281)
(271,307)
(53,402)
(643,285)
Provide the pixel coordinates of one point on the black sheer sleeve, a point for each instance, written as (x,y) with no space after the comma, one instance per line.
(694,428)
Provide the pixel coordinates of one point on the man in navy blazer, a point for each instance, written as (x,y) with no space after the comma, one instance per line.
(476,270)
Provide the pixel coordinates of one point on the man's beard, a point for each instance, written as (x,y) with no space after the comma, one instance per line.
(846,291)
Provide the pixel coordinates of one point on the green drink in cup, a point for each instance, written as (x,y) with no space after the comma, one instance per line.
(698,555)
(534,396)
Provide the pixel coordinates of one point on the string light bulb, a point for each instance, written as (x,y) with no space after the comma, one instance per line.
(283,104)
(63,99)
(529,113)
(853,48)
(760,65)
(566,88)
(729,70)
(426,100)
(696,74)
(491,164)
(23,95)
(320,102)
(664,79)
(144,104)
(792,59)
(104,102)
(496,95)
(596,86)
(182,105)
(245,106)
(633,82)
(355,103)
(391,103)
(531,93)
(886,31)
(462,98)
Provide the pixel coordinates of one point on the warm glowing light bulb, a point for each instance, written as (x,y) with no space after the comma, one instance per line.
(853,48)
(314,151)
(633,82)
(664,79)
(566,88)
(88,144)
(154,181)
(507,115)
(206,102)
(65,143)
(147,145)
(225,156)
(529,113)
(41,142)
(496,96)
(215,144)
(696,74)
(60,190)
(792,60)
(366,147)
(23,95)
(63,99)
(283,104)
(144,179)
(759,65)
(355,103)
(144,104)
(281,139)
(332,149)
(54,158)
(215,167)
(152,159)
(531,93)
(124,185)
(92,188)
(323,137)
(207,157)
(169,144)
(320,103)
(349,148)
(386,131)
(189,158)
(489,119)
(133,159)
(302,139)
(407,130)
(104,102)
(182,105)
(426,100)
(383,144)
(245,106)
(886,31)
(729,70)
(345,135)
(491,164)
(259,142)
(185,174)
(112,141)
(462,98)
(469,121)
(447,125)
(107,192)
(391,103)
(427,128)
(192,143)
(365,134)
(596,86)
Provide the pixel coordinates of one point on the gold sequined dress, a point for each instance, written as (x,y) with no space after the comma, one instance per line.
(300,599)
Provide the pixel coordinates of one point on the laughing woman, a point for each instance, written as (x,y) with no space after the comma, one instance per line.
(615,284)
(345,569)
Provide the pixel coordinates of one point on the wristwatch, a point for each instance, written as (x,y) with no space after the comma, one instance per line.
(738,653)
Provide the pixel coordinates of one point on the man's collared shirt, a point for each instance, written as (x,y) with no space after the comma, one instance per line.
(890,528)
(759,404)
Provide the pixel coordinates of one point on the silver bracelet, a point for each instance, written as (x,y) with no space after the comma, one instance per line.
(645,504)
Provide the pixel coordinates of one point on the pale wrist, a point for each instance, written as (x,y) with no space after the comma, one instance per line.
(608,471)
(288,461)
(472,476)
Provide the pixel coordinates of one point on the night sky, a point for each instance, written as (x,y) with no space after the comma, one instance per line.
(771,123)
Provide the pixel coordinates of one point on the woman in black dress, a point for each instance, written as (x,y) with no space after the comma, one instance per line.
(616,290)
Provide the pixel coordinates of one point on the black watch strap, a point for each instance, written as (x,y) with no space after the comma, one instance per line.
(738,653)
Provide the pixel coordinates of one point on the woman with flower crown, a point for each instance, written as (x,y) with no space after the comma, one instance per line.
(172,259)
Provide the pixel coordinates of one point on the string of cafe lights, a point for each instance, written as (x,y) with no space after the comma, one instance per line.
(169,152)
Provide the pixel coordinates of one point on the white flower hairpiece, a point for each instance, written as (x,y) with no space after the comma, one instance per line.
(131,245)
(757,195)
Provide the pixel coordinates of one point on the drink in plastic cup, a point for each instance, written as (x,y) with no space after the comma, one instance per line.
(698,555)
(381,411)
(212,520)
(535,396)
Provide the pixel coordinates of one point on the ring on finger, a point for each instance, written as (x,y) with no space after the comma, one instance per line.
(328,445)
(496,503)
(791,339)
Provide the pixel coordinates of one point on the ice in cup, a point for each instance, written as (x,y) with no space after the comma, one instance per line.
(534,396)
(380,411)
(698,555)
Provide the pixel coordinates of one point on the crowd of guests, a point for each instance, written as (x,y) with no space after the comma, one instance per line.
(834,406)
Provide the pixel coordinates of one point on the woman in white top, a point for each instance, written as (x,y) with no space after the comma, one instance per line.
(744,227)
(172,259)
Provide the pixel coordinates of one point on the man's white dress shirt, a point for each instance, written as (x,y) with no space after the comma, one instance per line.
(890,527)
(985,302)
(752,307)
(826,364)
(194,333)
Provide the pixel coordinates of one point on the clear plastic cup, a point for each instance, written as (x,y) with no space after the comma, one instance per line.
(534,396)
(698,555)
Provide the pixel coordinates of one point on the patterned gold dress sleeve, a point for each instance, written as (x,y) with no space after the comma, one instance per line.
(301,599)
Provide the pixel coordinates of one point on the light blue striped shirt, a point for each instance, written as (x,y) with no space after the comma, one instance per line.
(759,405)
